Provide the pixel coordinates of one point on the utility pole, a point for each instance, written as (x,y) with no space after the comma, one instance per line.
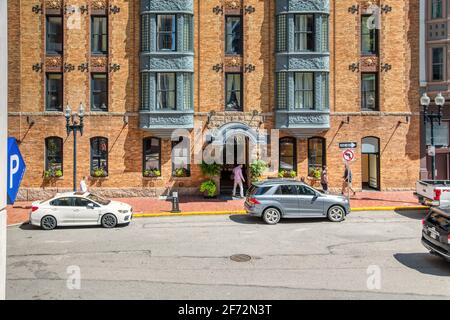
(3,139)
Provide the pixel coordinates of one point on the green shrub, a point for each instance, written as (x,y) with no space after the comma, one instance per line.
(257,168)
(209,187)
(210,170)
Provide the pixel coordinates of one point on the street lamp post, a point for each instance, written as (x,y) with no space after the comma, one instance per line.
(74,123)
(431,117)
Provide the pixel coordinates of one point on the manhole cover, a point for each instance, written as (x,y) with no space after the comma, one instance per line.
(240,257)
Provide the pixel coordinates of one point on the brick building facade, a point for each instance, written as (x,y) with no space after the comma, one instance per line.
(312,69)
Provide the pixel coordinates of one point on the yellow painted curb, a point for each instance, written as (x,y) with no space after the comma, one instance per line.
(209,213)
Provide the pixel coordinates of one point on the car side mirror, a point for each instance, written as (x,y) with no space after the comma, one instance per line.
(90,206)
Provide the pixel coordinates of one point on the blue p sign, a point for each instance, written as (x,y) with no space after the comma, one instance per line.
(16,170)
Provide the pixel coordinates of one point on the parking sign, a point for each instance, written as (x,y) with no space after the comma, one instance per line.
(16,170)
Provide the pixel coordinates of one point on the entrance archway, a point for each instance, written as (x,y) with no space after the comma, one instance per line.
(370,163)
(238,142)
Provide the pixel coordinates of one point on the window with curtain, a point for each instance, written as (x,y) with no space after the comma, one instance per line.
(288,154)
(99,156)
(54,154)
(99,35)
(436,9)
(304,90)
(166,91)
(304,32)
(233,91)
(152,154)
(369,36)
(166,32)
(54,30)
(437,64)
(369,91)
(54,92)
(281,33)
(181,157)
(233,42)
(99,92)
(316,154)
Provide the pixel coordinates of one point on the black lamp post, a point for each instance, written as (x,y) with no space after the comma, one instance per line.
(74,123)
(431,117)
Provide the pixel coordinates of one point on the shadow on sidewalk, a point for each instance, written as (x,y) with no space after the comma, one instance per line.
(424,263)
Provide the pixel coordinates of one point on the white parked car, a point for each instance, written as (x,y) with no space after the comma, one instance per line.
(79,209)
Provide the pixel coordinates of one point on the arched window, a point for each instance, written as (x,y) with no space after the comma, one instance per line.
(288,154)
(316,154)
(152,157)
(99,157)
(54,156)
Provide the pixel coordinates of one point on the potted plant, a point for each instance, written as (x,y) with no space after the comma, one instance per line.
(53,173)
(210,170)
(152,173)
(287,174)
(315,173)
(208,188)
(181,172)
(257,168)
(100,173)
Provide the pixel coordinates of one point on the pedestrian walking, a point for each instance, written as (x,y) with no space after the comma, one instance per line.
(238,178)
(83,184)
(347,180)
(324,179)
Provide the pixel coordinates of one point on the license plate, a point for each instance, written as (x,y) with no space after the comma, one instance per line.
(434,234)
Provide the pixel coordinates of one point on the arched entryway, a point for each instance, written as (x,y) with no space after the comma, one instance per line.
(370,163)
(237,141)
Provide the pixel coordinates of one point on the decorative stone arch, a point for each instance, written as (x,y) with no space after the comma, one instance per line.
(222,134)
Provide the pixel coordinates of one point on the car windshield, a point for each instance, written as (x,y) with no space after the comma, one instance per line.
(98,199)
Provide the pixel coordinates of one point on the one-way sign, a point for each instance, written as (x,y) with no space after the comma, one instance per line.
(347,145)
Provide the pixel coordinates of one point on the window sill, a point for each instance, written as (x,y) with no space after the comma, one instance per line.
(99,178)
(181,178)
(152,178)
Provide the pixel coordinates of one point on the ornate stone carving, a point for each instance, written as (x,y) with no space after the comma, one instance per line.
(303,6)
(99,62)
(53,63)
(369,64)
(303,120)
(167,5)
(169,62)
(53,4)
(99,4)
(233,4)
(302,62)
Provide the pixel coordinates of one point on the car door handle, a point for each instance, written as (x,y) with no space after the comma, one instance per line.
(76,210)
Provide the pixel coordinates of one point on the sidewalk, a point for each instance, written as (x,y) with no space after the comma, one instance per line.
(363,201)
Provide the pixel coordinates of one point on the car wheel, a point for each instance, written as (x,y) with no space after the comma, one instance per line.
(336,214)
(271,216)
(109,221)
(48,223)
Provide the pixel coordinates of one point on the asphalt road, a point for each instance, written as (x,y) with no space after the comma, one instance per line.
(375,255)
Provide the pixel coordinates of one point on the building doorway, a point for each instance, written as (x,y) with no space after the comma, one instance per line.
(235,152)
(370,163)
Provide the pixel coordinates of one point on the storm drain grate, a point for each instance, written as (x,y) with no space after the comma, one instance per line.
(240,258)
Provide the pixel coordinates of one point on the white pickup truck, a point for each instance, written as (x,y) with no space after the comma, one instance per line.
(433,193)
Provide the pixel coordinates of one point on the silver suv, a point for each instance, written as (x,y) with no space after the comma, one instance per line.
(276,199)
